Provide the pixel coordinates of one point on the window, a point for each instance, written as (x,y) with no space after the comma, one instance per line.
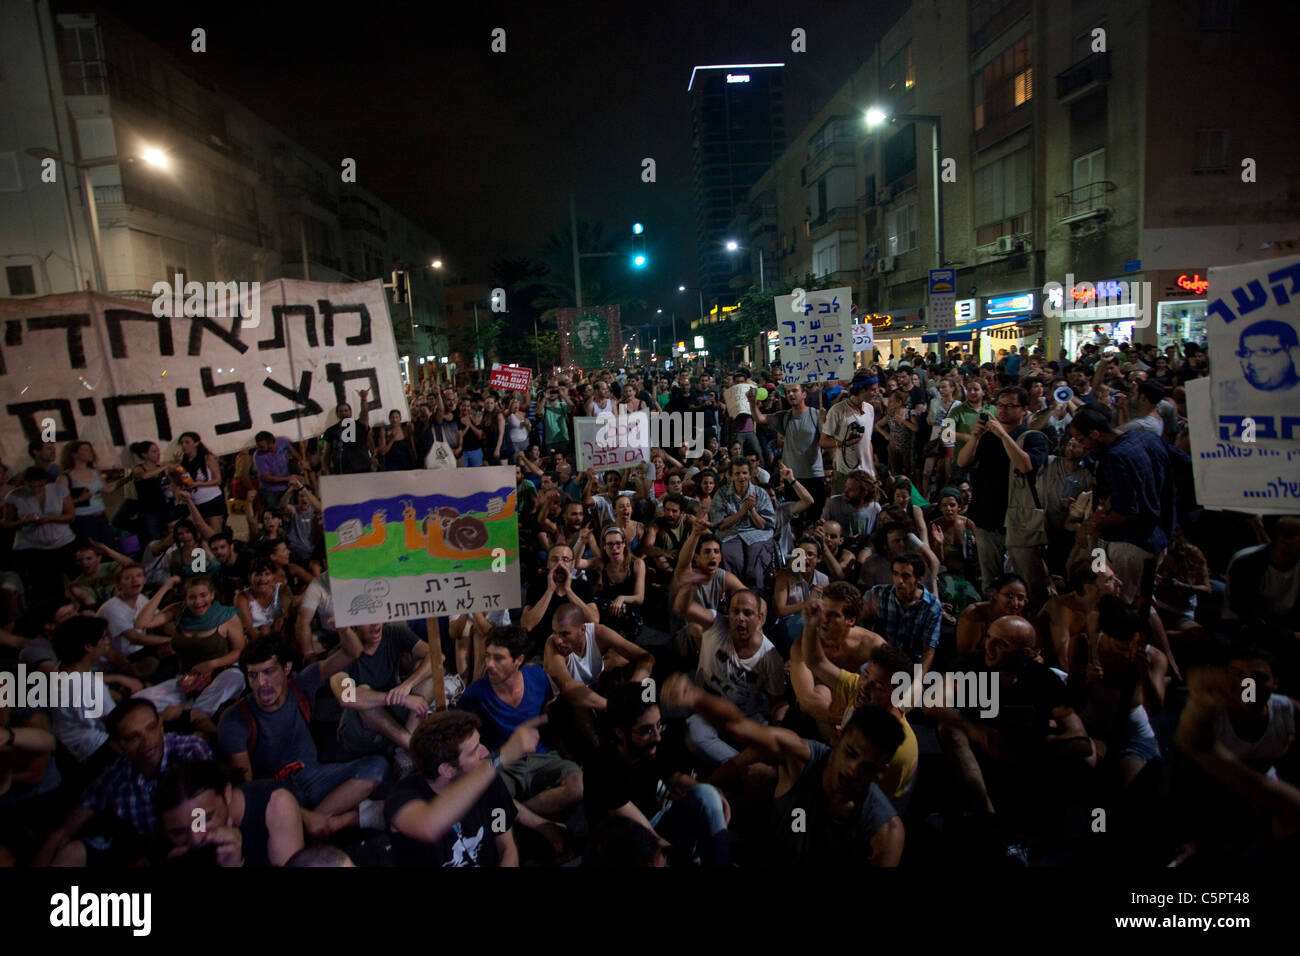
(900,154)
(898,74)
(1005,84)
(826,256)
(1090,168)
(869,190)
(83,61)
(21,280)
(803,176)
(1083,42)
(1003,191)
(900,229)
(1211,150)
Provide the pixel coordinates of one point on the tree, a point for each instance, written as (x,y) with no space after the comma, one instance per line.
(605,280)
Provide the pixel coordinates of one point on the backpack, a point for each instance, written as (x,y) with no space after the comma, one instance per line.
(246,710)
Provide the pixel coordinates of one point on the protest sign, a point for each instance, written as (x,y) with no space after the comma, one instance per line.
(399,551)
(612,442)
(510,377)
(737,399)
(864,338)
(1252,322)
(1228,473)
(816,335)
(112,372)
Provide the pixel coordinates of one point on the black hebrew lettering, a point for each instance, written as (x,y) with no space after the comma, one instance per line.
(278,313)
(302,397)
(86,406)
(72,324)
(339,379)
(230,336)
(26,413)
(14,332)
(159,402)
(113,319)
(211,388)
(329,310)
(182,398)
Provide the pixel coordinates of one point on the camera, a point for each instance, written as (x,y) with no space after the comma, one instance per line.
(984,416)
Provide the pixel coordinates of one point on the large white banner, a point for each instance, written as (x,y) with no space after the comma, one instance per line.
(111,372)
(1235,475)
(816,330)
(1252,320)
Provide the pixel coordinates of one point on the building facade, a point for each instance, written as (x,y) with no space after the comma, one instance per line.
(233,199)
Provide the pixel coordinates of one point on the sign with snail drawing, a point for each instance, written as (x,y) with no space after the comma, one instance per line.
(420,544)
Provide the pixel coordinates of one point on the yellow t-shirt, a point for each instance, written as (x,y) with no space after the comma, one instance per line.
(899,774)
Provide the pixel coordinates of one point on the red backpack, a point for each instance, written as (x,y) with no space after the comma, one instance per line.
(246,709)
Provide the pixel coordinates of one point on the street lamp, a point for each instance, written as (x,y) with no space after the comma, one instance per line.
(732,246)
(682,288)
(150,154)
(875,116)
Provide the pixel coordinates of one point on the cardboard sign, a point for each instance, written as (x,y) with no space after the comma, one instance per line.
(510,377)
(398,551)
(864,338)
(1235,475)
(816,330)
(612,442)
(1252,321)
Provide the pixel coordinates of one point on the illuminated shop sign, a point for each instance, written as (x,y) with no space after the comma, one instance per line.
(1193,283)
(1009,304)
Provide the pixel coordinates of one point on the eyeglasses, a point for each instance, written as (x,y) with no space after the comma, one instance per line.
(1008,405)
(645,730)
(1258,353)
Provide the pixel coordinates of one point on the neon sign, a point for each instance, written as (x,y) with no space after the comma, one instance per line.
(737,77)
(1009,304)
(1109,289)
(1194,284)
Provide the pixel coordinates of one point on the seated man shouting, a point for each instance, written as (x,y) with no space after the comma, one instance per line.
(267,736)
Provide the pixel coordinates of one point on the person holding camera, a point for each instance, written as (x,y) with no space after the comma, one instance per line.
(1003,447)
(847,430)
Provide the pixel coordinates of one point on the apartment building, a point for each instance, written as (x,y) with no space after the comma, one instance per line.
(1122,166)
(183,178)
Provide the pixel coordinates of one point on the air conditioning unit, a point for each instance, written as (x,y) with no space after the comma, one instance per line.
(885,264)
(1005,244)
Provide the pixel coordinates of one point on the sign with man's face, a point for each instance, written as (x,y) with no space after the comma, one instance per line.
(1253,325)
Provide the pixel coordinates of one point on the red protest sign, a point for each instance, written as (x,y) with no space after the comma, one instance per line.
(510,377)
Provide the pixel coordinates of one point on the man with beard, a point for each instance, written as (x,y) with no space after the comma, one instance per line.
(116,819)
(744,519)
(267,735)
(828,810)
(736,662)
(630,777)
(557,590)
(665,535)
(854,509)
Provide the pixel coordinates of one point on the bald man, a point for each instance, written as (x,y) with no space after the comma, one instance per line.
(1013,754)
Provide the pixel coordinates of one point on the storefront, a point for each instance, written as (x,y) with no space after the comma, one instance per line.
(1086,321)
(1180,315)
(1011,319)
(894,332)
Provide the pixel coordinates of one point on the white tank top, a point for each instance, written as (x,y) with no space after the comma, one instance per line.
(603,410)
(590,665)
(264,616)
(1271,744)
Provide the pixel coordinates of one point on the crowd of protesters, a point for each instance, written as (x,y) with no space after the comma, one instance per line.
(706,663)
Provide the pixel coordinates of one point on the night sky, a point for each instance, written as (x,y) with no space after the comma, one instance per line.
(484,148)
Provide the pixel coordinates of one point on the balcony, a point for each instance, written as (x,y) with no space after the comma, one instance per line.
(827,154)
(151,202)
(834,217)
(1089,74)
(1084,202)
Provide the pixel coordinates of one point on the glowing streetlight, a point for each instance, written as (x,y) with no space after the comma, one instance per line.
(437,263)
(155,157)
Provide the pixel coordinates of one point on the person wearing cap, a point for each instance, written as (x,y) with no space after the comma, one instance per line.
(847,430)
